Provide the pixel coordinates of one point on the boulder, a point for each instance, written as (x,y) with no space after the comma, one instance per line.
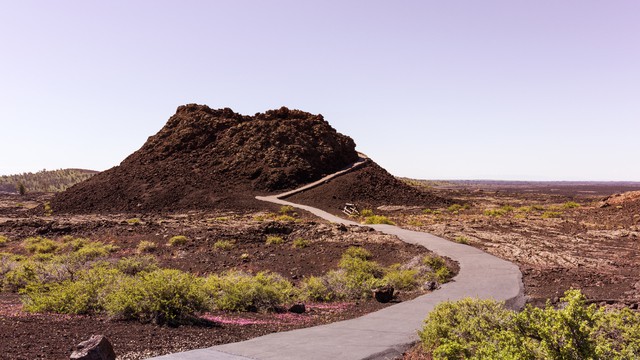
(383,294)
(97,347)
(298,308)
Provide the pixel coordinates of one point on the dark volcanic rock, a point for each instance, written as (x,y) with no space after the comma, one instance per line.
(97,347)
(383,294)
(205,158)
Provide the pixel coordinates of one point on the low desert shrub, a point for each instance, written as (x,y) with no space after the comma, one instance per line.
(147,246)
(223,245)
(40,245)
(366,213)
(166,296)
(3,240)
(178,240)
(300,243)
(570,205)
(274,240)
(82,296)
(461,240)
(484,329)
(550,214)
(137,264)
(357,252)
(285,218)
(134,221)
(315,288)
(401,279)
(285,209)
(378,219)
(239,291)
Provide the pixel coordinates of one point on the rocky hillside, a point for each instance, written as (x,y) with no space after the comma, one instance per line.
(205,158)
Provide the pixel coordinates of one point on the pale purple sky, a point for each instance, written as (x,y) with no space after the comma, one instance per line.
(529,90)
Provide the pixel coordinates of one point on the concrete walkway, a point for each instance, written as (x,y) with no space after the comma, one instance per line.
(386,333)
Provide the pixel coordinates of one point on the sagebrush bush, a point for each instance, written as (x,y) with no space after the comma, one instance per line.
(285,209)
(40,245)
(285,218)
(166,296)
(462,240)
(147,246)
(239,291)
(550,214)
(366,213)
(378,219)
(315,288)
(223,245)
(178,240)
(300,243)
(357,252)
(137,264)
(401,279)
(134,221)
(274,240)
(570,205)
(3,240)
(84,295)
(484,329)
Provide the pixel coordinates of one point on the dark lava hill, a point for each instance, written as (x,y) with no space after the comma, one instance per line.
(205,158)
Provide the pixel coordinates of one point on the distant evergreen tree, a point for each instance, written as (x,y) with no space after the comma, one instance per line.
(21,189)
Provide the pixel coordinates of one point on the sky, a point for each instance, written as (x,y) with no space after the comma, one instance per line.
(511,90)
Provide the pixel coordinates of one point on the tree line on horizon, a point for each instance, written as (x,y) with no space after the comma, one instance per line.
(44,180)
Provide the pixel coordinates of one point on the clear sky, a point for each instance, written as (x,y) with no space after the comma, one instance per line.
(529,90)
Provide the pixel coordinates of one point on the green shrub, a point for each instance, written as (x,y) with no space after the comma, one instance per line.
(223,245)
(570,205)
(85,250)
(427,211)
(137,264)
(285,209)
(461,329)
(166,296)
(434,262)
(494,212)
(3,240)
(357,252)
(484,329)
(178,240)
(455,208)
(147,246)
(551,214)
(134,221)
(274,240)
(315,288)
(366,213)
(239,291)
(300,243)
(82,296)
(461,240)
(40,245)
(18,275)
(378,219)
(48,211)
(285,218)
(401,279)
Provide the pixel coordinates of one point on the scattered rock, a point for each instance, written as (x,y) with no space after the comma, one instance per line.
(298,308)
(97,347)
(431,285)
(383,294)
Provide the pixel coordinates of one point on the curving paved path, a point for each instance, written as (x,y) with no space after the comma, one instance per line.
(386,333)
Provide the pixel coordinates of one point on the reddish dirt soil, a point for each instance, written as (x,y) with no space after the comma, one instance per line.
(50,336)
(369,186)
(591,247)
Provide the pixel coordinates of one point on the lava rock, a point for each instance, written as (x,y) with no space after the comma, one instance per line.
(97,347)
(383,294)
(430,285)
(298,308)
